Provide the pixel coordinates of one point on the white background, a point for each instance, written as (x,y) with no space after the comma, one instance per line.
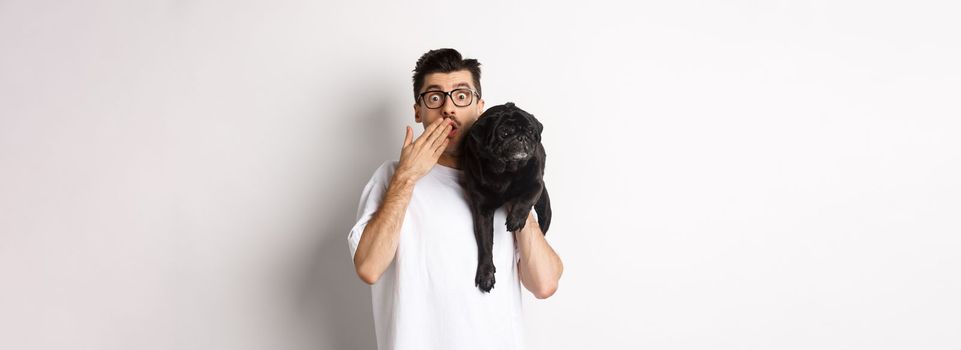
(724,175)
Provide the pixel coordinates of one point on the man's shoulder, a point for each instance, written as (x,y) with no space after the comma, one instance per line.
(388,165)
(385,171)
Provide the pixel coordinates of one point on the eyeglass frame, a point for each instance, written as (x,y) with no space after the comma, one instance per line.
(447,95)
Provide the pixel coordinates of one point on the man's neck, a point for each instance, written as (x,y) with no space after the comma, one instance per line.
(448,161)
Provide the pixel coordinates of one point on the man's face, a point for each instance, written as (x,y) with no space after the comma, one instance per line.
(462,117)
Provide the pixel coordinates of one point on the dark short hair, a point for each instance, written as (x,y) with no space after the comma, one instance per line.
(444,61)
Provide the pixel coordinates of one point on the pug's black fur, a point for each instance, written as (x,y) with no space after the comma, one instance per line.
(503,162)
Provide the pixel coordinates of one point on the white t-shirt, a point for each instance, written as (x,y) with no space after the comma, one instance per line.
(426,299)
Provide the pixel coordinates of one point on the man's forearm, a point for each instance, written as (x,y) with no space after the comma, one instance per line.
(540,268)
(378,243)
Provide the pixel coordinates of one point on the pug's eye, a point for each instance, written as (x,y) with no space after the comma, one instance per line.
(504,133)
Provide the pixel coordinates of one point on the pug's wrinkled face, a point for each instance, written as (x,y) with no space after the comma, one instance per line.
(512,136)
(516,136)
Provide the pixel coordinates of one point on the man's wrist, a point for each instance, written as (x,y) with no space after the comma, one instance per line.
(402,181)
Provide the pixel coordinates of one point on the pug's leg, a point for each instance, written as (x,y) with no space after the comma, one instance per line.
(520,209)
(484,234)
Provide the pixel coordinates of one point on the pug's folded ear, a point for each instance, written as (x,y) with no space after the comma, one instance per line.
(538,127)
(475,131)
(474,136)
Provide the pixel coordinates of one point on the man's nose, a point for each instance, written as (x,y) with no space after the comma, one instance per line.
(449,106)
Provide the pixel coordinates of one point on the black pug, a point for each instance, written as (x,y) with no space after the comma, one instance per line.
(503,162)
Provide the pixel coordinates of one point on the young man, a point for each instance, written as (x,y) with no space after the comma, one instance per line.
(414,240)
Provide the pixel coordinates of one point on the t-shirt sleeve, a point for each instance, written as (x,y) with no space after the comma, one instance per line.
(370,200)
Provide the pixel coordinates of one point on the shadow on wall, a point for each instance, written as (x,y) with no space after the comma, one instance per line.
(332,304)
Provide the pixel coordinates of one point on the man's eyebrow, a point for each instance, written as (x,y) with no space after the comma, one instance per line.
(435,87)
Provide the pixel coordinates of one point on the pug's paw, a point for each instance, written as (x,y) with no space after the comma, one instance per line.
(516,221)
(485,277)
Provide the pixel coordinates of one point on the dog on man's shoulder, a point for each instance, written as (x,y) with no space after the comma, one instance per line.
(503,162)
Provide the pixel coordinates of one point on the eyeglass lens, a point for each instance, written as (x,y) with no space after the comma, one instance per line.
(460,97)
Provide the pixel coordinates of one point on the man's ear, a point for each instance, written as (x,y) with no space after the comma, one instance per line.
(416,114)
(475,136)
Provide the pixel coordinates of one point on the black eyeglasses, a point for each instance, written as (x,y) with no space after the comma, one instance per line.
(436,99)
